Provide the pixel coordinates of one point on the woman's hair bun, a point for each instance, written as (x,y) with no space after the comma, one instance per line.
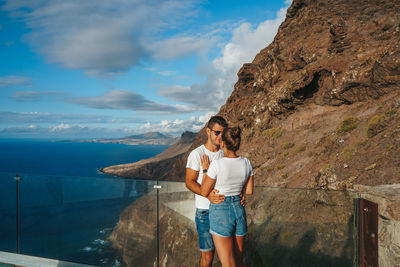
(236,131)
(231,137)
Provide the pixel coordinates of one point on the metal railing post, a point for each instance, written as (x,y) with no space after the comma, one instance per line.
(17,179)
(157,187)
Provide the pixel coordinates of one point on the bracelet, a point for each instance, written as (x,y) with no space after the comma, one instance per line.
(204,170)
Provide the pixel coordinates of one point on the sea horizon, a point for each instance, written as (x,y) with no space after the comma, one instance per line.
(67,209)
(68,157)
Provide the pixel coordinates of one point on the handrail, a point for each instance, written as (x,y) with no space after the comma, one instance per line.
(32,261)
(167,196)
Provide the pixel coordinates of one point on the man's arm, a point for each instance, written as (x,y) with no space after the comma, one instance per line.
(192,185)
(207,185)
(191,181)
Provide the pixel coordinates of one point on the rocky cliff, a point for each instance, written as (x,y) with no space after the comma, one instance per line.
(319,107)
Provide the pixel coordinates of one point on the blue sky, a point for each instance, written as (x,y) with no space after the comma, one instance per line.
(102,68)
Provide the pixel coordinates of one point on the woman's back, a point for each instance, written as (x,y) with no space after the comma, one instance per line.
(231,174)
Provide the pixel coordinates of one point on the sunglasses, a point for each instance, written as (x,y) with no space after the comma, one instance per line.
(216,132)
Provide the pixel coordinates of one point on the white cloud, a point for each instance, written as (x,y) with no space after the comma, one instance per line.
(60,127)
(204,118)
(80,131)
(40,117)
(125,100)
(14,81)
(247,42)
(167,72)
(194,124)
(221,73)
(23,130)
(177,47)
(105,37)
(34,95)
(59,131)
(83,130)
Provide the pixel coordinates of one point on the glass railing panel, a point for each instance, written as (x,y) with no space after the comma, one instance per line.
(75,218)
(178,236)
(138,236)
(113,222)
(8,236)
(286,227)
(136,233)
(300,227)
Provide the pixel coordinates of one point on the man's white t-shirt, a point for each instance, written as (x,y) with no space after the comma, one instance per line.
(194,162)
(231,174)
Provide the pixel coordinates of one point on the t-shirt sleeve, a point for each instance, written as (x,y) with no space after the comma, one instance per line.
(249,167)
(193,161)
(212,170)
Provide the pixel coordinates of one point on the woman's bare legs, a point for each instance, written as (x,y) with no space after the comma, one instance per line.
(224,246)
(238,246)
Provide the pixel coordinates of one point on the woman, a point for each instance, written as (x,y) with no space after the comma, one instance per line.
(232,176)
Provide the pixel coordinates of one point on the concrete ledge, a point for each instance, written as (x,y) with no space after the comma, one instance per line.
(31,261)
(183,207)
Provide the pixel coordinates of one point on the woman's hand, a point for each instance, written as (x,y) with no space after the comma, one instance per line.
(243,199)
(205,162)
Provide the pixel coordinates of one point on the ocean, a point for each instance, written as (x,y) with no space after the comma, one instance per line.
(66,207)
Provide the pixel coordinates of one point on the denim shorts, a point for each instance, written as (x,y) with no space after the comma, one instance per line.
(203,229)
(228,218)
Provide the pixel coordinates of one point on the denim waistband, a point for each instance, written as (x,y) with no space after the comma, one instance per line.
(232,198)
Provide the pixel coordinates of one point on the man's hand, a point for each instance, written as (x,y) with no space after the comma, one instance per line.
(215,198)
(243,199)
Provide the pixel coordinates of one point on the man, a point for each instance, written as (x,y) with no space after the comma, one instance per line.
(194,176)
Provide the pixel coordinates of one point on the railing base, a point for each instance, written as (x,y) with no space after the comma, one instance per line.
(31,261)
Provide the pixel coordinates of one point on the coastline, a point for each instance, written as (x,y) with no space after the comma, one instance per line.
(152,168)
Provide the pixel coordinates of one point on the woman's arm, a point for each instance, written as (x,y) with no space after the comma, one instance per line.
(207,185)
(249,186)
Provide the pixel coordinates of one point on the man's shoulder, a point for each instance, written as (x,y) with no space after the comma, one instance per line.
(194,158)
(198,150)
(196,153)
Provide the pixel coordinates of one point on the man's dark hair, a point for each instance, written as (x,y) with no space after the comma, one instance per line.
(216,119)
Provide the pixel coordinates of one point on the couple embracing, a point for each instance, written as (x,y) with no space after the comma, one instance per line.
(216,174)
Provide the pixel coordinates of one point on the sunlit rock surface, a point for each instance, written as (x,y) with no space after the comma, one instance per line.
(319,109)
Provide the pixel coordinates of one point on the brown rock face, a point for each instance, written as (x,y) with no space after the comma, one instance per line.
(319,108)
(330,60)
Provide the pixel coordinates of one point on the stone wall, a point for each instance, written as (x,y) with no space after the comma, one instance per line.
(388,199)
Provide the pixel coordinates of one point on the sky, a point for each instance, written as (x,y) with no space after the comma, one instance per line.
(113,68)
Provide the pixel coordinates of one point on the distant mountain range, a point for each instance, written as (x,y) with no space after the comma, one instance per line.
(150,138)
(150,135)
